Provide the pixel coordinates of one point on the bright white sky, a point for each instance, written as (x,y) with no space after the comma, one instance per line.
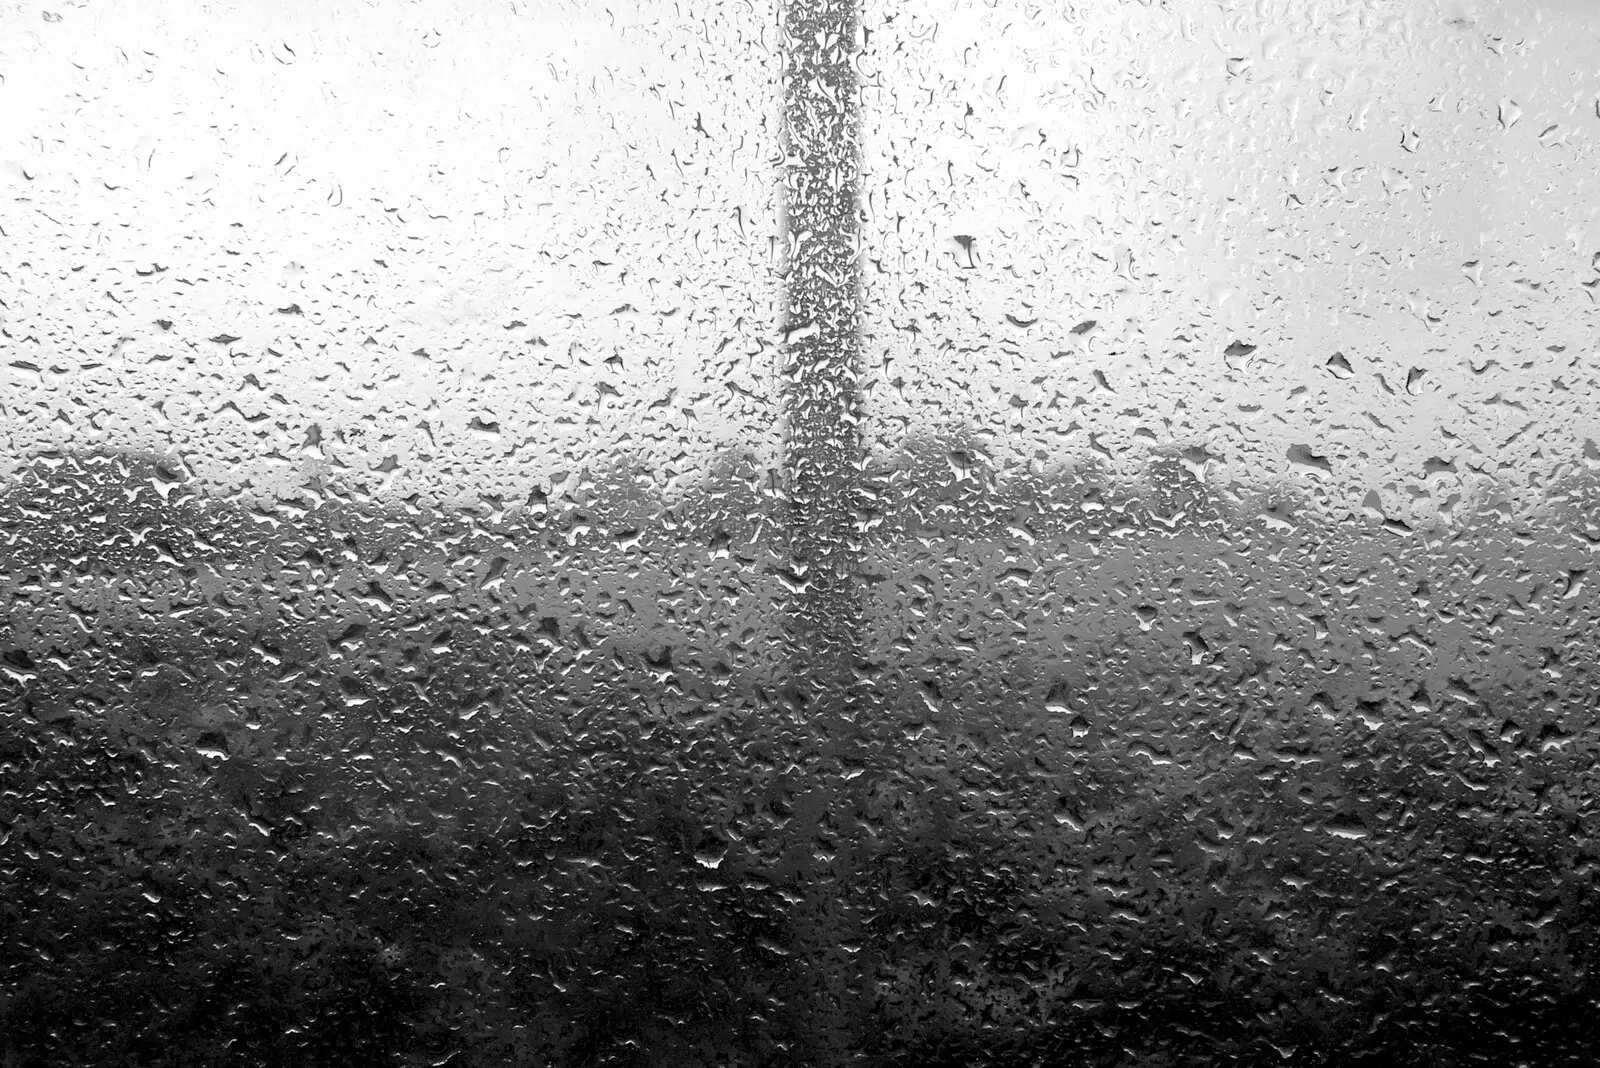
(1409,183)
(558,219)
(554,218)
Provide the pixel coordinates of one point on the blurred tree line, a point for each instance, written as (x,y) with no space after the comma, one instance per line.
(341,783)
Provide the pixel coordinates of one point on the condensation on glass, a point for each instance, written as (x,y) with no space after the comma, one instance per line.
(833,532)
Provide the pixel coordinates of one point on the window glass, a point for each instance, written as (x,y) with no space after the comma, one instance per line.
(832,532)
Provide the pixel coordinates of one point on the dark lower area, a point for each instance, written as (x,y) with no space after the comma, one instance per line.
(642,891)
(362,797)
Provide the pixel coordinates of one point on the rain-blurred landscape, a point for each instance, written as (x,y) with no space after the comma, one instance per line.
(824,532)
(528,784)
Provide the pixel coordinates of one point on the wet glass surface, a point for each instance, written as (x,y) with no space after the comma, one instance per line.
(576,533)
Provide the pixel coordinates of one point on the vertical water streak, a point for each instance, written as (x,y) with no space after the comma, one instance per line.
(821,358)
(821,381)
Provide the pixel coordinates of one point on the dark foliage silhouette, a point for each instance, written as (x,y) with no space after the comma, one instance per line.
(349,783)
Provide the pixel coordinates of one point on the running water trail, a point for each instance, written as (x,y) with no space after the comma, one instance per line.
(821,355)
(821,379)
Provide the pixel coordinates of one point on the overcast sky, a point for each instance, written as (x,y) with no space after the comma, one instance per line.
(1408,184)
(479,244)
(554,219)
